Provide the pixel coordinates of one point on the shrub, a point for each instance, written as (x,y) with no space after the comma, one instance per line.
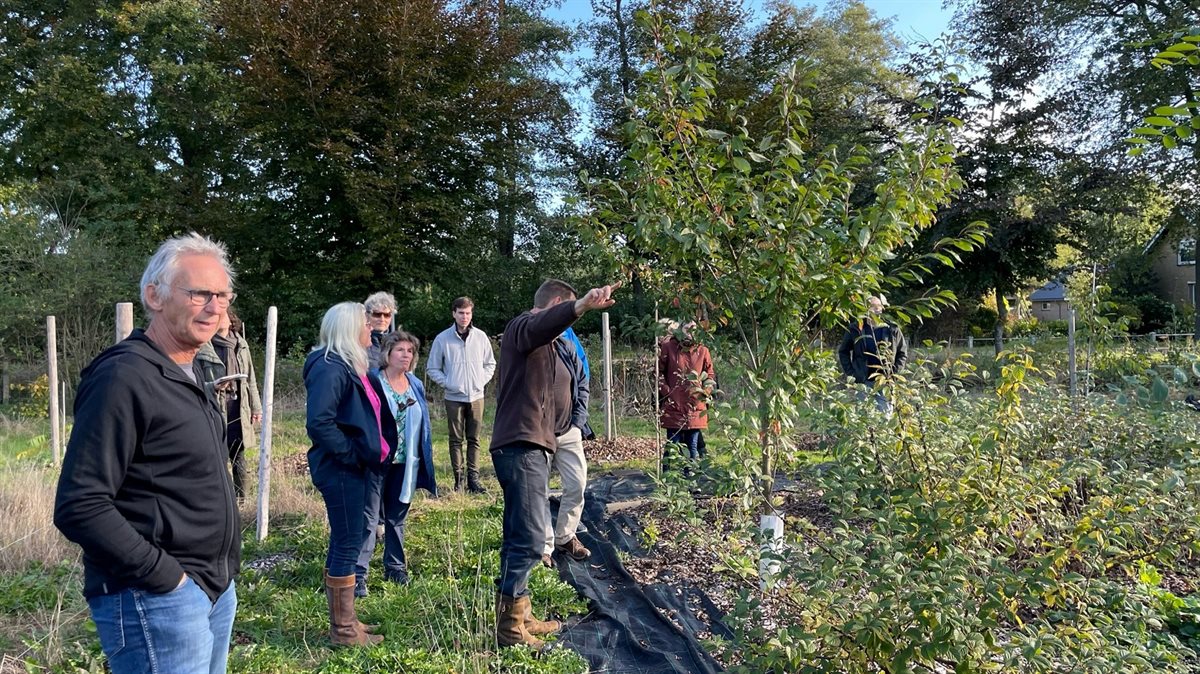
(32,400)
(982,321)
(987,533)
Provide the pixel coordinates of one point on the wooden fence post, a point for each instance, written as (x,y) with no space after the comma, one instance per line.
(124,322)
(609,417)
(264,447)
(1072,367)
(52,376)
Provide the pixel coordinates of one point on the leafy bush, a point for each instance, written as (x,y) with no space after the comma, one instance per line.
(999,532)
(1055,327)
(1023,327)
(982,321)
(32,400)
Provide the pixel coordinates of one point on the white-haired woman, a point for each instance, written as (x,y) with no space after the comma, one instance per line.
(353,433)
(381,312)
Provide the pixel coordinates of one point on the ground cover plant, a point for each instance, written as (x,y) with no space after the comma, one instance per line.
(1008,529)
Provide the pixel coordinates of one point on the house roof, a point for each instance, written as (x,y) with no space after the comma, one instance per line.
(1051,292)
(1154,239)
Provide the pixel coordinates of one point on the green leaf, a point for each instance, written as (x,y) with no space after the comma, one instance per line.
(793,147)
(1183,47)
(756,157)
(1183,131)
(741,164)
(1160,121)
(1168,110)
(1147,131)
(864,237)
(1169,142)
(1139,141)
(715,134)
(1159,391)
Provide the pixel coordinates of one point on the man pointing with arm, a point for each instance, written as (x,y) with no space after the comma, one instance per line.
(533,400)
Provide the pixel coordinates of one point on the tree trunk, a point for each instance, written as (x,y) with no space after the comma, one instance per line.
(767,464)
(1001,319)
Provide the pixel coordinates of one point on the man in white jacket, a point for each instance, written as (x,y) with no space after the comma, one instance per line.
(461,361)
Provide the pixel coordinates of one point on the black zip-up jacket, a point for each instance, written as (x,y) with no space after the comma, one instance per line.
(859,352)
(145,489)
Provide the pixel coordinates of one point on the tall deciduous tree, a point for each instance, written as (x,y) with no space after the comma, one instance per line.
(395,145)
(1094,53)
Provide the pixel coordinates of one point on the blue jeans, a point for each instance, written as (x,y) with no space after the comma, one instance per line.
(345,492)
(180,632)
(882,404)
(383,488)
(692,440)
(523,473)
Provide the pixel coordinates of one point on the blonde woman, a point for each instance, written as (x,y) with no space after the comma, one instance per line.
(353,433)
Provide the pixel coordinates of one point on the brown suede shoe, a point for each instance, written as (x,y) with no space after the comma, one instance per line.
(574,549)
(547,562)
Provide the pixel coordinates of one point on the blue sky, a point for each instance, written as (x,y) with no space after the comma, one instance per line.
(913,20)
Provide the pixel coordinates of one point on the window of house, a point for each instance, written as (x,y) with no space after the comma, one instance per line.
(1045,306)
(1187,252)
(1192,292)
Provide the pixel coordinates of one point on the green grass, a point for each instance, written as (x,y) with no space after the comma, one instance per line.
(442,621)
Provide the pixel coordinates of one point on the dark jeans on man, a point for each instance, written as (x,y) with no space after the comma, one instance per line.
(345,492)
(690,439)
(464,421)
(383,489)
(523,473)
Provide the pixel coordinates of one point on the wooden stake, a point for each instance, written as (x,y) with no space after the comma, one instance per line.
(268,408)
(124,323)
(52,375)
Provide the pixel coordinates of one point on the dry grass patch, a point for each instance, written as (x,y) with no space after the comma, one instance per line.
(27,532)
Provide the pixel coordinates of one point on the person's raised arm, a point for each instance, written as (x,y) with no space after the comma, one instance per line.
(596,298)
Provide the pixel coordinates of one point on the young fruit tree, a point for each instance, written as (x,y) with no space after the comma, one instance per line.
(772,237)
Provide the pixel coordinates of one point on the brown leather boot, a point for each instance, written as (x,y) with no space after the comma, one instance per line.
(510,623)
(369,629)
(539,627)
(344,628)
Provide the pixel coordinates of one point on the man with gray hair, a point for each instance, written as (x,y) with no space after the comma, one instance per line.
(145,489)
(381,309)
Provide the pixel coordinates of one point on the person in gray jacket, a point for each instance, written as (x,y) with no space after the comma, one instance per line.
(462,362)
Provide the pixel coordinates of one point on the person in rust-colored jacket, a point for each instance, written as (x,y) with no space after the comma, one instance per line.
(686,380)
